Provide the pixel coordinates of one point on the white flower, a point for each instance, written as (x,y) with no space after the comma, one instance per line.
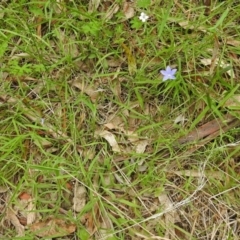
(143,17)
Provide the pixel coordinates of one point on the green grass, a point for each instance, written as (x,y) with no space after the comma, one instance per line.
(68,74)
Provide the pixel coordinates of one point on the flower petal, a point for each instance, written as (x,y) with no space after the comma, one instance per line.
(165,78)
(163,72)
(168,69)
(143,17)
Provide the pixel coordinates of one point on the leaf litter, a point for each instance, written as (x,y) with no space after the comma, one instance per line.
(52,228)
(110,138)
(79,199)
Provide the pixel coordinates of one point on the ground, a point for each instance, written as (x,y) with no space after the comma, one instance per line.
(119,119)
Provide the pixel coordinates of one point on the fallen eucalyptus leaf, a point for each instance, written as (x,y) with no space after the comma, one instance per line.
(110,138)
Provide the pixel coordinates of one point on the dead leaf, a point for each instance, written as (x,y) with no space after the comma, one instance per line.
(214,59)
(171,217)
(116,88)
(142,168)
(206,61)
(117,123)
(106,226)
(79,199)
(3,189)
(31,213)
(188,25)
(59,6)
(25,207)
(119,178)
(88,153)
(128,10)
(91,91)
(111,11)
(110,138)
(233,102)
(180,119)
(42,142)
(114,62)
(93,5)
(132,66)
(69,46)
(141,146)
(222,64)
(38,21)
(52,227)
(114,122)
(25,196)
(11,215)
(89,223)
(194,173)
(132,137)
(233,42)
(20,55)
(210,128)
(1,13)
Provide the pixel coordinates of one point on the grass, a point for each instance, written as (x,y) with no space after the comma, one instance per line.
(90,133)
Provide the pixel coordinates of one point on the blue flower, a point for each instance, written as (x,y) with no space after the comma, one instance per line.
(168,73)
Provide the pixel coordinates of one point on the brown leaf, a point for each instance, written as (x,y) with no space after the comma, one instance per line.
(170,217)
(132,66)
(93,5)
(128,10)
(90,226)
(114,62)
(31,214)
(2,14)
(111,11)
(233,102)
(222,64)
(206,129)
(25,208)
(15,222)
(187,25)
(52,227)
(110,138)
(25,196)
(69,46)
(180,119)
(89,90)
(3,189)
(106,226)
(194,173)
(141,146)
(114,122)
(79,199)
(59,6)
(233,42)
